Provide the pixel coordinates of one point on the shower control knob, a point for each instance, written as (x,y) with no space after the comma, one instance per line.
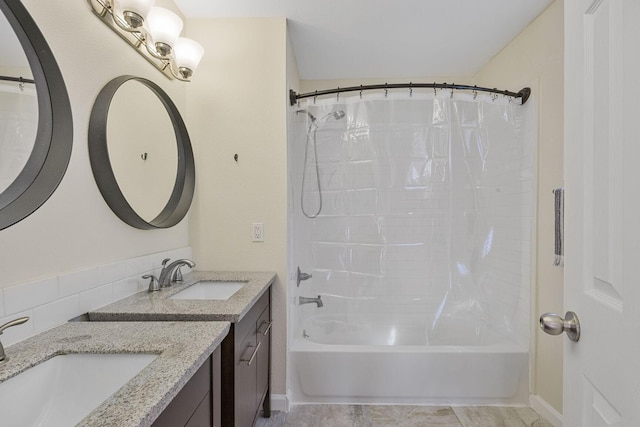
(553,324)
(302,276)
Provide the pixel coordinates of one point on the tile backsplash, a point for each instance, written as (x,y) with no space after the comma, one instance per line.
(52,301)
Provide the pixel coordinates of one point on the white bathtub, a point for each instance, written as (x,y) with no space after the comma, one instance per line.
(412,372)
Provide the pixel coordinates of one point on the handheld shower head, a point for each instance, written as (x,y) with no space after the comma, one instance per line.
(337,115)
(311,141)
(311,116)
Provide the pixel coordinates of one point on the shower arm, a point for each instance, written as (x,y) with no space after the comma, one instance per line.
(523,94)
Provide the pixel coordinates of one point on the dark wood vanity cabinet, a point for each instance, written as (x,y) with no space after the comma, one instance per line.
(246,361)
(198,403)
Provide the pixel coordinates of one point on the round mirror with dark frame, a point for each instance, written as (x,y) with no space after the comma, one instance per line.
(121,159)
(47,159)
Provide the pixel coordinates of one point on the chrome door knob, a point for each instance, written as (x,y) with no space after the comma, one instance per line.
(553,324)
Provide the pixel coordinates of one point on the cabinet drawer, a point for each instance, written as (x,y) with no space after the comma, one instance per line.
(248,322)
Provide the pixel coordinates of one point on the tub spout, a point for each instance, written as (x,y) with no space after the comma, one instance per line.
(305,300)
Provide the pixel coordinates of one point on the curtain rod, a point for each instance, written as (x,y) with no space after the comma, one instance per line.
(16,79)
(294,97)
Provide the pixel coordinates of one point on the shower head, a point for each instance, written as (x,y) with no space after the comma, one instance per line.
(311,116)
(337,115)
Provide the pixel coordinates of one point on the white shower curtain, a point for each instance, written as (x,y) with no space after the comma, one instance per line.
(424,232)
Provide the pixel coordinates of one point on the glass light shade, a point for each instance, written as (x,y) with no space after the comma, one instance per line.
(164,26)
(141,7)
(188,53)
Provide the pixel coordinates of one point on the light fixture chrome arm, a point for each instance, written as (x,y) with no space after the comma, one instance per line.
(182,74)
(130,28)
(108,10)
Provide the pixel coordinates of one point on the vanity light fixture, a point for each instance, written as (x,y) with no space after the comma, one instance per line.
(153,32)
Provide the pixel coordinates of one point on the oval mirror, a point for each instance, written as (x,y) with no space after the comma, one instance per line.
(141,154)
(18,107)
(36,129)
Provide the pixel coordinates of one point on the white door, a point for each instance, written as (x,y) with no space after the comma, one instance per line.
(602,215)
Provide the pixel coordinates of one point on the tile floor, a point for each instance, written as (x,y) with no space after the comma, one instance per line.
(405,416)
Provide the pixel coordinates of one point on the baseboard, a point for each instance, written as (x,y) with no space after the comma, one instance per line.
(545,410)
(279,402)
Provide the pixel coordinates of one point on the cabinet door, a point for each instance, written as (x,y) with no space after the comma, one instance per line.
(245,381)
(263,356)
(216,386)
(189,400)
(202,416)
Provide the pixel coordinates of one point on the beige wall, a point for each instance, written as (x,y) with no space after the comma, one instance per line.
(535,59)
(75,228)
(236,104)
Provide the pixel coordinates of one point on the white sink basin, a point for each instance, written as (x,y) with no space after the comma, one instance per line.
(64,389)
(210,289)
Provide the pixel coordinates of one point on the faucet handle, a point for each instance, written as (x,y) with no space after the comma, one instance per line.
(165,261)
(154,285)
(14,322)
(177,275)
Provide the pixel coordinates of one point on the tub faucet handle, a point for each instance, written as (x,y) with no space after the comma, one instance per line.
(302,276)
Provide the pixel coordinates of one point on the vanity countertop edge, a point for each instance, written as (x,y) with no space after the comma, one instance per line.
(157,306)
(141,400)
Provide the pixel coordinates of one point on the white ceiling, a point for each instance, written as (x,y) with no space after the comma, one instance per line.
(343,39)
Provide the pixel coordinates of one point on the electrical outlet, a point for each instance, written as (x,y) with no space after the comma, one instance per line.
(257,232)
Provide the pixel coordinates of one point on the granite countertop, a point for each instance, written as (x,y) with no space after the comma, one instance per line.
(140,401)
(146,306)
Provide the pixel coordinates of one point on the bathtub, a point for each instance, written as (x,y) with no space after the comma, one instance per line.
(397,366)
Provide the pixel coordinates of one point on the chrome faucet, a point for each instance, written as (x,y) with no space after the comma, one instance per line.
(169,272)
(305,300)
(15,322)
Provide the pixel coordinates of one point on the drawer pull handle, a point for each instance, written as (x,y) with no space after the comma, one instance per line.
(253,356)
(266,331)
